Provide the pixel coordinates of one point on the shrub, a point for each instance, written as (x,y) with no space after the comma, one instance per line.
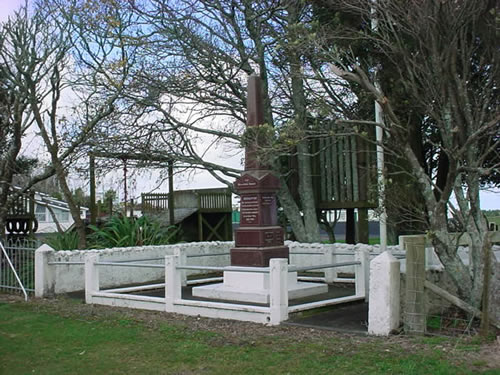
(122,231)
(63,241)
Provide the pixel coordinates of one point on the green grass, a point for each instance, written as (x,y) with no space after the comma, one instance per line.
(32,341)
(494,219)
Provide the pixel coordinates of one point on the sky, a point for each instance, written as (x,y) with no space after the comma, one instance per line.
(145,182)
(7,7)
(490,200)
(150,181)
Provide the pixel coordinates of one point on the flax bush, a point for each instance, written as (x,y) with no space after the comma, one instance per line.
(122,231)
(63,241)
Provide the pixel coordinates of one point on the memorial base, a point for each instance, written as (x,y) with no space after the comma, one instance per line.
(257,256)
(254,287)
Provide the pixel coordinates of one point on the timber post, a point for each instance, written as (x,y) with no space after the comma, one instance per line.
(171,204)
(363,232)
(350,227)
(414,316)
(93,208)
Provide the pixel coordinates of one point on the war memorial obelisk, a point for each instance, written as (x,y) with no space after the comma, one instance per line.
(259,238)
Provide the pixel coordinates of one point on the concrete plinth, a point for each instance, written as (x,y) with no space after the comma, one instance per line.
(255,287)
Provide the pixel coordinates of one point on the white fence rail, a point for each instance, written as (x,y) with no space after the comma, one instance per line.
(273,313)
(63,271)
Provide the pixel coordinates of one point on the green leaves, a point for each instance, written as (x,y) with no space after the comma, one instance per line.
(63,241)
(121,231)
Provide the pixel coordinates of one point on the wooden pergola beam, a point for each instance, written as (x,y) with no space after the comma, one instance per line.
(129,156)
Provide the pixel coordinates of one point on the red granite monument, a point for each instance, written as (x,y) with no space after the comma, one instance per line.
(259,237)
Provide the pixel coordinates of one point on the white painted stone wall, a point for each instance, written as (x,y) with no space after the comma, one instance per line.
(58,279)
(310,260)
(432,261)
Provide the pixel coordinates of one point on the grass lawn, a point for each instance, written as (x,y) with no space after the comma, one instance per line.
(494,219)
(67,337)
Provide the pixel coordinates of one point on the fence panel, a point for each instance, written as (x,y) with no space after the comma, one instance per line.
(21,252)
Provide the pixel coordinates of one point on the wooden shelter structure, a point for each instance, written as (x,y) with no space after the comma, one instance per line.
(344,175)
(202,214)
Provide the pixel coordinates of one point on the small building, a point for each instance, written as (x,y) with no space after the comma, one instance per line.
(48,210)
(39,213)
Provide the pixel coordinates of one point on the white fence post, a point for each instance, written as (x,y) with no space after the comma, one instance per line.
(330,273)
(44,273)
(278,290)
(182,256)
(173,282)
(384,303)
(362,272)
(91,276)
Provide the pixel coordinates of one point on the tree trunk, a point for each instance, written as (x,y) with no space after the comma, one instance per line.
(73,208)
(2,223)
(308,206)
(3,206)
(455,268)
(7,165)
(54,218)
(292,212)
(327,227)
(307,195)
(485,305)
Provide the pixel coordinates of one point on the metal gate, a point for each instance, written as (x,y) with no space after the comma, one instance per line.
(21,253)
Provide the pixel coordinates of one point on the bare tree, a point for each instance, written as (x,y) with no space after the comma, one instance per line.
(12,129)
(445,57)
(189,93)
(15,115)
(63,50)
